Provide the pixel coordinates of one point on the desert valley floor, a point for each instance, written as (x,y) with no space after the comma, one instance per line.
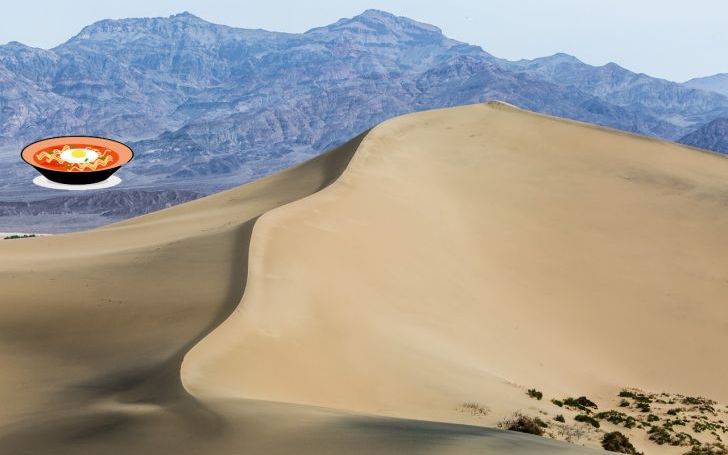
(399,294)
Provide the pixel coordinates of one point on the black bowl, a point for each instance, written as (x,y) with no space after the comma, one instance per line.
(77,177)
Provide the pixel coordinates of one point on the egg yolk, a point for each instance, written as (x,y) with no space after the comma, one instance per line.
(78,153)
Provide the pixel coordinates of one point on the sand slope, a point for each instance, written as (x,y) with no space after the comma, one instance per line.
(94,326)
(463,255)
(468,254)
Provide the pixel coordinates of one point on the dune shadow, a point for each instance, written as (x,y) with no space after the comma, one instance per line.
(130,401)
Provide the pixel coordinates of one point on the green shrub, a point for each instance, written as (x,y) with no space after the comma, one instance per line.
(582,403)
(643,406)
(668,424)
(624,403)
(614,417)
(683,439)
(617,442)
(652,418)
(617,417)
(708,449)
(699,427)
(560,418)
(659,435)
(533,393)
(698,401)
(587,419)
(558,403)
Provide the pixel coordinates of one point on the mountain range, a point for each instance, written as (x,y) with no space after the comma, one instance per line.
(717,83)
(207,106)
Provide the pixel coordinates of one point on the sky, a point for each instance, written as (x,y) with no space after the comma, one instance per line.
(672,39)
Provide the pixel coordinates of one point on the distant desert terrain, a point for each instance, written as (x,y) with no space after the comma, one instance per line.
(399,294)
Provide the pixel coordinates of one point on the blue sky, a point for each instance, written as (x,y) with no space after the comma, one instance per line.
(672,39)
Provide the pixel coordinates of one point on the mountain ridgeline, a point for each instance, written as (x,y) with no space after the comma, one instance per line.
(717,83)
(207,106)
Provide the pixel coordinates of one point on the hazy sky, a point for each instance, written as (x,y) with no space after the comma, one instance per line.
(673,39)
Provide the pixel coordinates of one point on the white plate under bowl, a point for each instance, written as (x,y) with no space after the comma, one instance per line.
(45,183)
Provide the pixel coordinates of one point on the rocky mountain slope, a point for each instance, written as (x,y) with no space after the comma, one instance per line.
(115,203)
(712,136)
(77,211)
(678,105)
(207,106)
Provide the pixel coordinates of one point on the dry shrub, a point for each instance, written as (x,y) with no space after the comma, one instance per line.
(618,442)
(523,424)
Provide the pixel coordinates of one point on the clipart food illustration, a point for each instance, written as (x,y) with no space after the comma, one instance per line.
(77,160)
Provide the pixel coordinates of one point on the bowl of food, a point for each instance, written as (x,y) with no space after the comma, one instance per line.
(77,160)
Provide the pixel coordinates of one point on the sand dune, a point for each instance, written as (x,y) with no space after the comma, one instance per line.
(449,256)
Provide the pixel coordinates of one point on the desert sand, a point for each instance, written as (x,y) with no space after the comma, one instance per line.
(354,303)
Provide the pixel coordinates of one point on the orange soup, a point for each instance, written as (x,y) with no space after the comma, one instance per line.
(76,158)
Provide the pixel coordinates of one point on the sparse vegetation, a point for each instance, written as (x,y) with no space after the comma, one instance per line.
(522,424)
(699,426)
(642,401)
(23,236)
(643,406)
(661,435)
(698,401)
(571,433)
(587,419)
(474,409)
(617,418)
(668,424)
(701,404)
(582,403)
(666,419)
(684,439)
(540,422)
(618,442)
(708,449)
